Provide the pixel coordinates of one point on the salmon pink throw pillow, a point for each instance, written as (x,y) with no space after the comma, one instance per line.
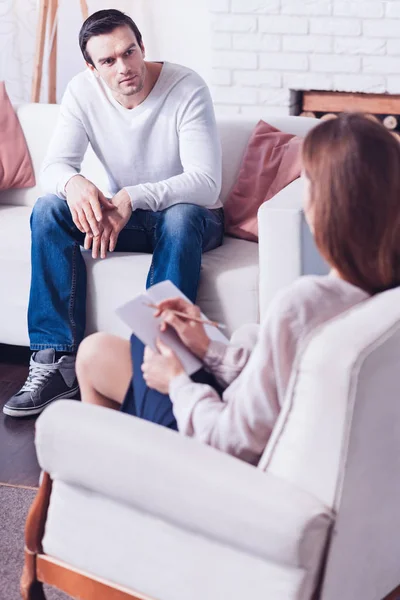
(271,161)
(16,169)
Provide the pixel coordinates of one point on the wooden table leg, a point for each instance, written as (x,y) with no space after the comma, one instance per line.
(53,52)
(84,9)
(40,39)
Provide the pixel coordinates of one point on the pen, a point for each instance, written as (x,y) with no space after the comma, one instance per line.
(185,316)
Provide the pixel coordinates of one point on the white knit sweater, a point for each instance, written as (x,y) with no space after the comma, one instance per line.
(164,151)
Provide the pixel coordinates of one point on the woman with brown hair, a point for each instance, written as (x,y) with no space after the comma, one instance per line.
(352,171)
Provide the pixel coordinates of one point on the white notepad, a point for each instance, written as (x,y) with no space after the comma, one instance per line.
(141,320)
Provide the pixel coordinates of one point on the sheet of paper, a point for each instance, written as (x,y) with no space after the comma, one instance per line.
(140,318)
(166,289)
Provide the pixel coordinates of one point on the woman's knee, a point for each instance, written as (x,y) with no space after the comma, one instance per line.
(90,350)
(104,363)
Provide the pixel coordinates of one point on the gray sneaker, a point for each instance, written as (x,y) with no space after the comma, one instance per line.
(47,381)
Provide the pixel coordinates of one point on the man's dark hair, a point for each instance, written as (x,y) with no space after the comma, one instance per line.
(104,21)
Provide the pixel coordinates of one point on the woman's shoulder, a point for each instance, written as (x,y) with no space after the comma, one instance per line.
(317,286)
(315,298)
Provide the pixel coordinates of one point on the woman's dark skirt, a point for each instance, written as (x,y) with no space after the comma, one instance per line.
(146,403)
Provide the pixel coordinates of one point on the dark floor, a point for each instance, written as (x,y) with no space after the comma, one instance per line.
(18,464)
(14,506)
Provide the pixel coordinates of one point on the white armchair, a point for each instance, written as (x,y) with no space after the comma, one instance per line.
(138,511)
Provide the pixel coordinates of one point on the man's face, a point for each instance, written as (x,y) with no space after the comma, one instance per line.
(119,60)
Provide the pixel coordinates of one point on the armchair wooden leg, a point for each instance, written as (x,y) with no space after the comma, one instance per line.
(394,594)
(31,588)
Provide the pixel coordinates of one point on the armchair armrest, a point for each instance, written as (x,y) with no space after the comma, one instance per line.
(286,245)
(179,480)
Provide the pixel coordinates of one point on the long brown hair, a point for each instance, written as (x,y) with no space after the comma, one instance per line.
(353,165)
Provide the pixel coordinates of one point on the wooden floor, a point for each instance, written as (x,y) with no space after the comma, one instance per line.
(18,464)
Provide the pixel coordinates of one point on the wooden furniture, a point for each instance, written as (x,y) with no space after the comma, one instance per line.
(47,22)
(384,108)
(39,568)
(379,104)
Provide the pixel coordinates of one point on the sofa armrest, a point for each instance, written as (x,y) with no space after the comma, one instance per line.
(179,480)
(286,245)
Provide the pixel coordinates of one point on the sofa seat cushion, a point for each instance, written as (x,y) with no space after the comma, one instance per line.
(15,267)
(228,290)
(181,559)
(228,287)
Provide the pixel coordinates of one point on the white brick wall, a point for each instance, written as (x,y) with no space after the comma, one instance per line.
(263,49)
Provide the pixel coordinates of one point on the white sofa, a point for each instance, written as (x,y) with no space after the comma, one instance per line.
(154,512)
(232,288)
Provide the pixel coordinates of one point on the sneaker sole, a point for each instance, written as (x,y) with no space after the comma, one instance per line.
(36,410)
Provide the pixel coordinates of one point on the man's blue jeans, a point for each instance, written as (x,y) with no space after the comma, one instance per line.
(176,236)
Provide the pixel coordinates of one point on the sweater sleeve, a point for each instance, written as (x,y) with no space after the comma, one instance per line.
(240,423)
(200,155)
(66,150)
(225,361)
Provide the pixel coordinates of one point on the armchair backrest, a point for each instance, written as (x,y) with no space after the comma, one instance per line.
(39,120)
(338,437)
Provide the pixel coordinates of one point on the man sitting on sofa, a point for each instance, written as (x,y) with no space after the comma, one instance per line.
(152,126)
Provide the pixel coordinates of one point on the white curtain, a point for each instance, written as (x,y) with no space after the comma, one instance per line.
(17,42)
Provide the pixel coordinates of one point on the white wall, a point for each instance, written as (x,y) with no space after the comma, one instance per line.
(264,48)
(70,60)
(251,52)
(17,39)
(181,33)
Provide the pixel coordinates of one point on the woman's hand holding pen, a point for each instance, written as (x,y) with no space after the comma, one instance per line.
(160,368)
(191,333)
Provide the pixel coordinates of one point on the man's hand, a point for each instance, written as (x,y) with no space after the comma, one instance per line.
(159,368)
(87,204)
(191,333)
(112,223)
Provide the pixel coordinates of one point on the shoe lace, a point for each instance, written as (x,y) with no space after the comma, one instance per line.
(38,374)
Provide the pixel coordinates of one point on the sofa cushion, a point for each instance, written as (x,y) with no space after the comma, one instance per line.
(270,163)
(228,289)
(16,169)
(15,269)
(131,546)
(38,122)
